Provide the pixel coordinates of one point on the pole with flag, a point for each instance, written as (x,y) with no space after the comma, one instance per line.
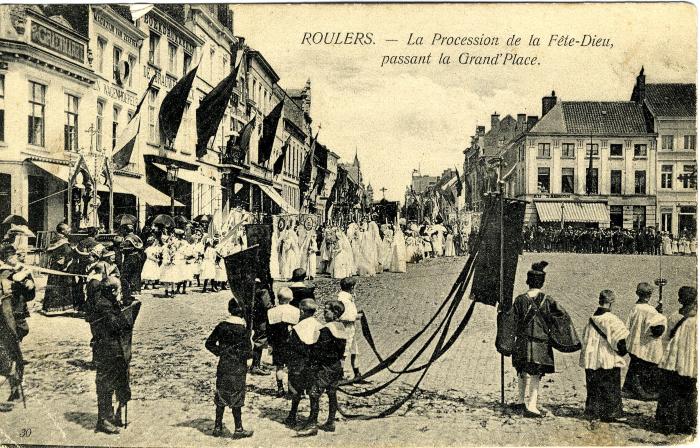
(269,132)
(173,107)
(125,142)
(279,162)
(211,110)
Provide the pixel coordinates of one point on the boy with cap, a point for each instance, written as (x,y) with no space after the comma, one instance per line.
(280,320)
(326,365)
(301,340)
(349,319)
(645,346)
(230,342)
(602,354)
(533,356)
(677,409)
(300,289)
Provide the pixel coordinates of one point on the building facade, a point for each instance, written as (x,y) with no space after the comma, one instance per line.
(671,109)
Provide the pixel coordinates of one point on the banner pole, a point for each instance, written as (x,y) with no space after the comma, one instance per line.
(500,268)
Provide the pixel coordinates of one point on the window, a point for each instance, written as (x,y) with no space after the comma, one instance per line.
(37,106)
(640,150)
(615,182)
(616,150)
(2,108)
(689,142)
(115,126)
(689,177)
(544,150)
(212,54)
(616,216)
(593,147)
(567,180)
(592,180)
(117,57)
(153,47)
(186,61)
(567,150)
(666,176)
(172,58)
(543,180)
(100,56)
(640,182)
(98,125)
(667,142)
(132,67)
(152,117)
(639,219)
(667,220)
(70,128)
(686,219)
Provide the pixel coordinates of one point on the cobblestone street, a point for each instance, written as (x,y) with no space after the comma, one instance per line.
(173,375)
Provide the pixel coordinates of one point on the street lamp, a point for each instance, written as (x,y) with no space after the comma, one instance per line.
(172,179)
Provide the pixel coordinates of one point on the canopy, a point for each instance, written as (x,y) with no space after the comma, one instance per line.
(593,212)
(279,200)
(145,192)
(190,176)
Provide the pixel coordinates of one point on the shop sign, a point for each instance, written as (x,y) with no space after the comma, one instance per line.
(552,196)
(57,42)
(116,93)
(157,25)
(106,23)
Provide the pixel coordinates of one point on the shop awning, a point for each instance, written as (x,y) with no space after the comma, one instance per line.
(593,212)
(62,172)
(190,176)
(279,200)
(145,192)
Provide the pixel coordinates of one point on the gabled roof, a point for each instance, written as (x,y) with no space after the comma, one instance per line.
(593,118)
(671,100)
(504,133)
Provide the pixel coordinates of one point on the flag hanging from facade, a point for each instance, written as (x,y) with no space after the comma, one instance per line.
(486,281)
(279,163)
(211,110)
(267,140)
(124,145)
(459,183)
(173,106)
(246,134)
(139,10)
(307,170)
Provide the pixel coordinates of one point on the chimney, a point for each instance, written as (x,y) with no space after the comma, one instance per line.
(520,126)
(531,121)
(640,88)
(480,131)
(494,121)
(548,102)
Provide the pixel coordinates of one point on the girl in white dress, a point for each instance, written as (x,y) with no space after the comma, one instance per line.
(674,245)
(220,277)
(150,273)
(666,245)
(208,266)
(449,244)
(168,271)
(398,253)
(310,248)
(343,264)
(386,246)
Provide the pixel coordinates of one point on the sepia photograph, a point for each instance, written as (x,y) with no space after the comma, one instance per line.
(348,224)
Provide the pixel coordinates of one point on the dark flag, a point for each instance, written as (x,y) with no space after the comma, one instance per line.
(261,235)
(459,183)
(124,145)
(241,271)
(307,171)
(246,134)
(173,106)
(279,163)
(269,131)
(485,285)
(211,110)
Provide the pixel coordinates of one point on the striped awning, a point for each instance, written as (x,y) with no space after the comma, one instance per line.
(593,212)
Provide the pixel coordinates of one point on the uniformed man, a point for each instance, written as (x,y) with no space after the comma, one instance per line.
(109,326)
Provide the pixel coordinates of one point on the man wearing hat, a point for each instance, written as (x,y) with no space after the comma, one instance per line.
(677,408)
(58,295)
(300,289)
(533,356)
(645,346)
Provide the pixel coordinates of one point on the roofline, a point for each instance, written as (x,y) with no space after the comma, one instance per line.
(266,65)
(566,134)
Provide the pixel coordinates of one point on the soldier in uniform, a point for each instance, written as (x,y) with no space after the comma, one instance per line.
(109,326)
(18,282)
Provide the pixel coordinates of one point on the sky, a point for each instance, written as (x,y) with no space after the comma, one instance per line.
(402,117)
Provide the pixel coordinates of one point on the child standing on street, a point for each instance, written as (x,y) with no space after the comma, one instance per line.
(327,368)
(230,341)
(349,319)
(280,320)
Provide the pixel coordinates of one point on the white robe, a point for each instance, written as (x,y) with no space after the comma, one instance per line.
(386,249)
(398,253)
(681,354)
(449,245)
(151,269)
(598,352)
(274,256)
(367,265)
(343,264)
(640,342)
(666,247)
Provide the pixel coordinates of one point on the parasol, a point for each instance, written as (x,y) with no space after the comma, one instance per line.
(126,219)
(164,220)
(15,219)
(181,221)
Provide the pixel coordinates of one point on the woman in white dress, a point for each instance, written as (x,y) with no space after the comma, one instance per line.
(150,273)
(289,257)
(386,246)
(437,238)
(220,276)
(449,244)
(684,246)
(666,245)
(674,245)
(343,264)
(208,266)
(353,235)
(274,254)
(398,253)
(365,253)
(378,246)
(310,248)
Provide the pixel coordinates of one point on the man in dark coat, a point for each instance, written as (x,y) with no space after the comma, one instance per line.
(109,326)
(300,289)
(533,356)
(132,262)
(58,295)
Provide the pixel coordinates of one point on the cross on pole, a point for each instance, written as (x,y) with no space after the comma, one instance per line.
(383,190)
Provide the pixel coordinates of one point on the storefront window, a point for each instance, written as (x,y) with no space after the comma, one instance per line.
(639,220)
